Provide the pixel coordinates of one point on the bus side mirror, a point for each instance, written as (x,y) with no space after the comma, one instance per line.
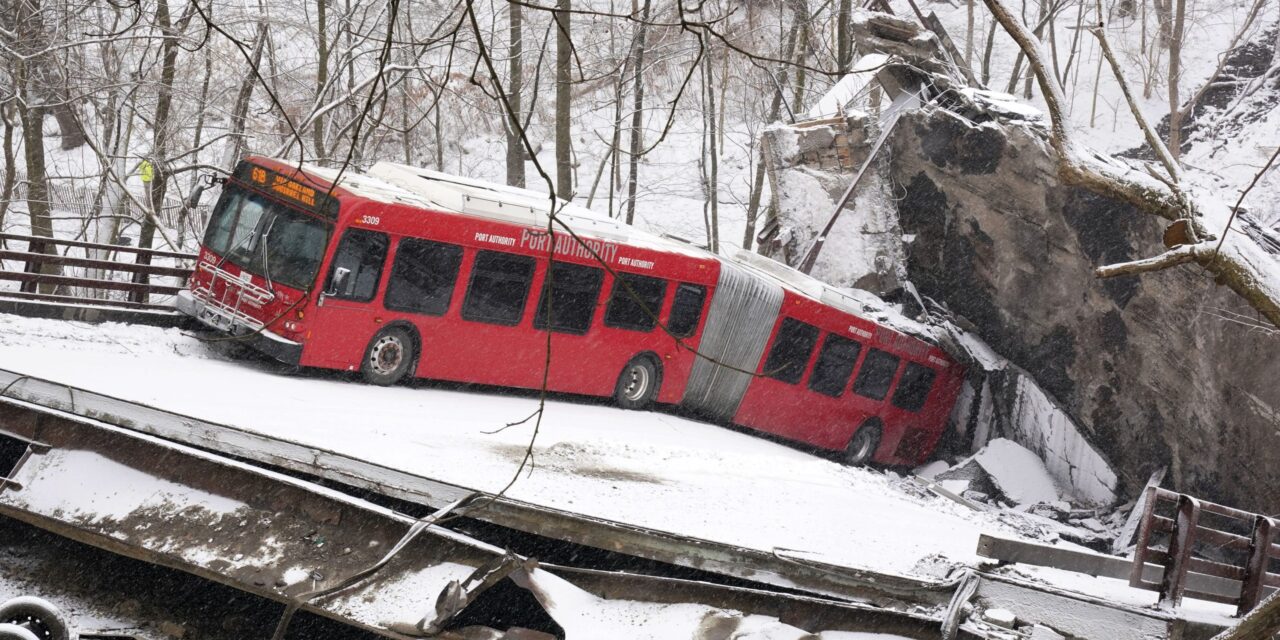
(193,200)
(338,285)
(207,181)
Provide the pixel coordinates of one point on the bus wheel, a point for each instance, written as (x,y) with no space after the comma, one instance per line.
(637,387)
(388,358)
(35,616)
(862,445)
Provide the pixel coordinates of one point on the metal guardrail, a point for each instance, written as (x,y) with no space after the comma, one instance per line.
(1171,540)
(41,254)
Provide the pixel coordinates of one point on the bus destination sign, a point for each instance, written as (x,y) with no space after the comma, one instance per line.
(289,189)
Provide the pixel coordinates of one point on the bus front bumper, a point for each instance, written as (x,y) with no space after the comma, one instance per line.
(263,341)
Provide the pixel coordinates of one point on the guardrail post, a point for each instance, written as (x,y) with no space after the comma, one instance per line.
(1174,581)
(1255,570)
(1144,536)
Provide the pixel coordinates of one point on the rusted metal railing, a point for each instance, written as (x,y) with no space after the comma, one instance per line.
(1176,534)
(42,252)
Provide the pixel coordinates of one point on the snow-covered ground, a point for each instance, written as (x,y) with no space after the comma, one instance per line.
(648,469)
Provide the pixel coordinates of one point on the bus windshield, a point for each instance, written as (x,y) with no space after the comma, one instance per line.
(267,238)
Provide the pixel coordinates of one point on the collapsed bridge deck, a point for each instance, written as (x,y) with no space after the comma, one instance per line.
(647,484)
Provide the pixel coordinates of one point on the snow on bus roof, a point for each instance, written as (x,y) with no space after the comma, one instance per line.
(863,304)
(519,206)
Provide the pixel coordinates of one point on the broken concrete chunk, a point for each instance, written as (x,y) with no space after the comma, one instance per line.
(1017,472)
(1000,618)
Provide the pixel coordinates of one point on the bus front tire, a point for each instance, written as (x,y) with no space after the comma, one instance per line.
(638,384)
(35,616)
(862,446)
(388,358)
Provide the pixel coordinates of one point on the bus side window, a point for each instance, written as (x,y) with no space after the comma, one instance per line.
(913,388)
(686,310)
(791,350)
(876,374)
(574,292)
(835,365)
(423,276)
(361,253)
(499,288)
(635,302)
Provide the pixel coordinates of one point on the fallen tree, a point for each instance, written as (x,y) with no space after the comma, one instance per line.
(1232,257)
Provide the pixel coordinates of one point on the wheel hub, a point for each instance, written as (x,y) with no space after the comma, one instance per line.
(386,355)
(637,382)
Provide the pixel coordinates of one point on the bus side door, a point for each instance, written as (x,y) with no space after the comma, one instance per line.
(348,317)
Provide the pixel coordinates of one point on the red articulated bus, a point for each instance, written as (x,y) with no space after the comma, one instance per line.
(399,272)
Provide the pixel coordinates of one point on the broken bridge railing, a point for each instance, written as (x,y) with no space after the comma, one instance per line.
(1175,528)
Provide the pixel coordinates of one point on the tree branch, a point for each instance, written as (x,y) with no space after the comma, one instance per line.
(1180,255)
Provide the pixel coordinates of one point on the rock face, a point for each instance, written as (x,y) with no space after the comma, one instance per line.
(1153,368)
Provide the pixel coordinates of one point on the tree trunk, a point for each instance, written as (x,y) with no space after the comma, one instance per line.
(801,57)
(322,75)
(637,111)
(160,145)
(240,109)
(201,105)
(10,168)
(844,44)
(1175,69)
(713,156)
(968,35)
(564,100)
(515,147)
(32,117)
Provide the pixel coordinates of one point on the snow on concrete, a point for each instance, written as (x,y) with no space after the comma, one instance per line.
(849,87)
(103,489)
(1018,473)
(399,603)
(584,616)
(648,469)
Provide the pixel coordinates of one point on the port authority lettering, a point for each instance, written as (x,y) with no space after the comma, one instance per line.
(567,245)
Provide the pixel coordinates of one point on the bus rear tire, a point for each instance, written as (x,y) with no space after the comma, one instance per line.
(388,358)
(638,384)
(862,446)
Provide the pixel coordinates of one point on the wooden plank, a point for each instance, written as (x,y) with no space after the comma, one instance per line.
(106,265)
(74,300)
(89,283)
(97,245)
